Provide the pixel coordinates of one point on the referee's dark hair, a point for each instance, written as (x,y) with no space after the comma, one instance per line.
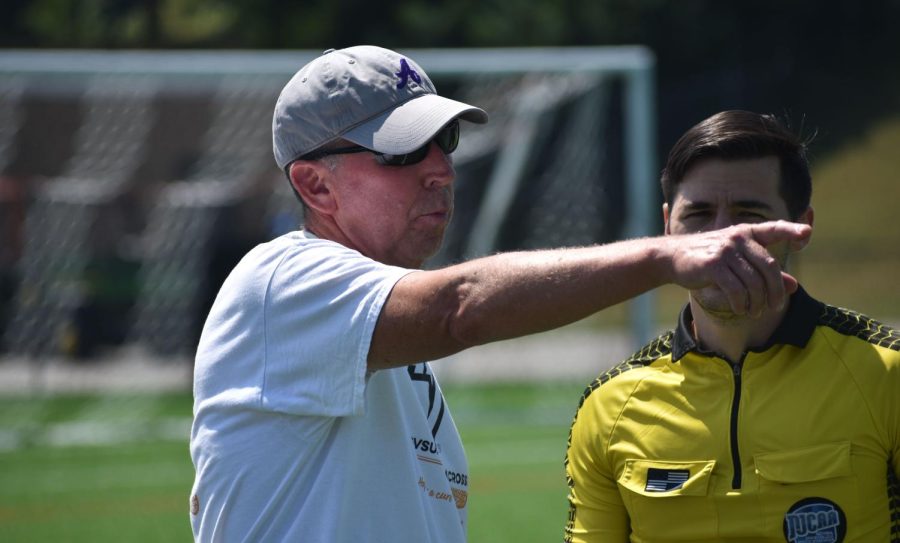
(740,135)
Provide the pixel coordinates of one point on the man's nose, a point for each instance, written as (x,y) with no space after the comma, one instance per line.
(722,220)
(439,166)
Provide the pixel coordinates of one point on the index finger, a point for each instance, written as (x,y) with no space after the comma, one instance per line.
(796,235)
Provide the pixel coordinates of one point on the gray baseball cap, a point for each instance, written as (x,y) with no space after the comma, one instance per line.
(371,96)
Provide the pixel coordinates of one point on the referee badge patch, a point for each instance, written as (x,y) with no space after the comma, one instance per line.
(815,520)
(665,480)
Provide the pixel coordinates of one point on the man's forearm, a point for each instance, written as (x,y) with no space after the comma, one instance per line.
(520,293)
(432,314)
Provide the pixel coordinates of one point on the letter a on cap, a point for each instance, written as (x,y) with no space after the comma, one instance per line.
(406,73)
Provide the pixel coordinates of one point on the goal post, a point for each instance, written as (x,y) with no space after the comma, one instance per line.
(633,66)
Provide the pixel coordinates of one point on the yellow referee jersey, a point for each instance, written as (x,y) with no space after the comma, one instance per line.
(799,441)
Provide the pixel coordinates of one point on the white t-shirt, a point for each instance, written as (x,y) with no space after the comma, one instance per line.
(292,440)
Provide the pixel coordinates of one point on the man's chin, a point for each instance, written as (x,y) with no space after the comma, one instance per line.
(724,315)
(717,307)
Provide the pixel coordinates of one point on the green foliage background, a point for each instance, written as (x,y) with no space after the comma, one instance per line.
(828,65)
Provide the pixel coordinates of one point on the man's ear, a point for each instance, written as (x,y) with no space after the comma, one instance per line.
(311,179)
(665,210)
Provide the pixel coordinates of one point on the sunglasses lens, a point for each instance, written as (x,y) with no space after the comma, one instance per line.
(402,160)
(447,139)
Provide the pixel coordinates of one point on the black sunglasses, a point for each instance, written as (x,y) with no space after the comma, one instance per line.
(447,139)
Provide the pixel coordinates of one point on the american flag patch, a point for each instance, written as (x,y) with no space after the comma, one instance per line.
(664,480)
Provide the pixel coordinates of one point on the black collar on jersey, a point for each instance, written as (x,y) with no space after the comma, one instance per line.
(796,327)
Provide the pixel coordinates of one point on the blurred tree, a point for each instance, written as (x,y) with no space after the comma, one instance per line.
(194,22)
(86,23)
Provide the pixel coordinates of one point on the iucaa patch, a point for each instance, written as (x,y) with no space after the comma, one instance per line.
(815,520)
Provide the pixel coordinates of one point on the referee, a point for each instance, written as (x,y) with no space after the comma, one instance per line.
(778,426)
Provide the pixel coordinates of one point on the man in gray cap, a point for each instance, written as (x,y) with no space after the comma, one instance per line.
(317,416)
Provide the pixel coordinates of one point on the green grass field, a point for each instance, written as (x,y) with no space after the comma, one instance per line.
(116,468)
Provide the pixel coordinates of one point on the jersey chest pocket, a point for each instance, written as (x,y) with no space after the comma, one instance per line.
(669,498)
(800,487)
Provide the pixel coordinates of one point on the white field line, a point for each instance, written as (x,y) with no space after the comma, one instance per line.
(95,432)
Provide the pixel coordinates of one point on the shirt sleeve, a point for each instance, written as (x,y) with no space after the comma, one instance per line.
(321,308)
(596,510)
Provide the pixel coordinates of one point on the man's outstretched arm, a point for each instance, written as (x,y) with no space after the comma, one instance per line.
(432,314)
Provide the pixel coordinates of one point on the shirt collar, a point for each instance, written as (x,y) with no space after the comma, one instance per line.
(796,327)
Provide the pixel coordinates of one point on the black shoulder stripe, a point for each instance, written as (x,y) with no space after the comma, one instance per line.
(654,350)
(851,323)
(894,503)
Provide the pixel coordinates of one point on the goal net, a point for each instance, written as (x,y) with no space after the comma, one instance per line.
(140,178)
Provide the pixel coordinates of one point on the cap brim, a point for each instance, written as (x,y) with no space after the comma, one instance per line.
(412,124)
